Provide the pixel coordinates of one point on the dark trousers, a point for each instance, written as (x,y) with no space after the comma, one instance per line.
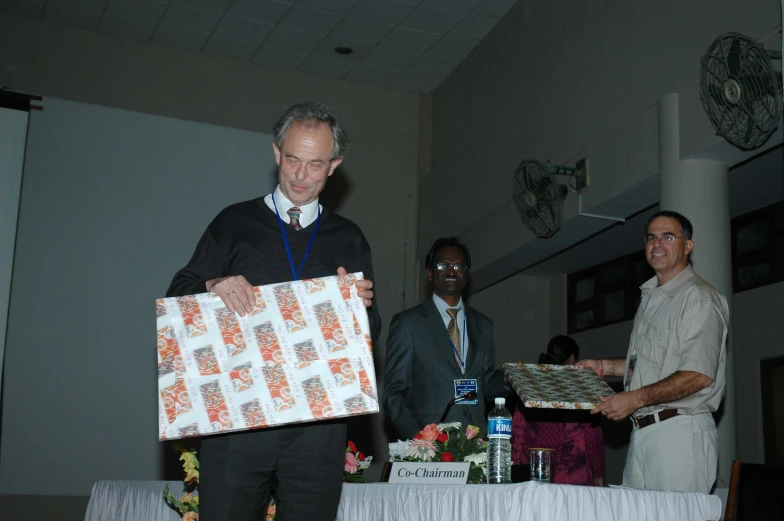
(302,464)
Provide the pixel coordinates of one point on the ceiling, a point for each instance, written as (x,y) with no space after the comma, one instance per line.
(404,44)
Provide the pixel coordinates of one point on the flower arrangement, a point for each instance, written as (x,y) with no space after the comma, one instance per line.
(355,463)
(188,503)
(445,442)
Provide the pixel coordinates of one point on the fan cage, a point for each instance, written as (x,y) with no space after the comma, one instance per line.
(740,91)
(537,196)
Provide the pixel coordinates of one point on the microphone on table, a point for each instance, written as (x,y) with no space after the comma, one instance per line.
(471,395)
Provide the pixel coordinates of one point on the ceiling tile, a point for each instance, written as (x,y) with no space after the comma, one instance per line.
(326,66)
(180,38)
(475,26)
(327,49)
(277,57)
(141,10)
(341,7)
(453,47)
(88,5)
(190,18)
(72,16)
(244,29)
(390,59)
(294,40)
(24,8)
(410,40)
(361,31)
(496,8)
(310,20)
(382,11)
(416,83)
(432,20)
(373,75)
(126,27)
(464,6)
(263,10)
(230,48)
(208,5)
(433,66)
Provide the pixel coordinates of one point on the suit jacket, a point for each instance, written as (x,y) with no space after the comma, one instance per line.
(421,368)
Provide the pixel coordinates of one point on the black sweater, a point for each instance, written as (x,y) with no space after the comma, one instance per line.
(244,239)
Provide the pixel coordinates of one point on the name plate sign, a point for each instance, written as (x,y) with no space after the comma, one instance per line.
(433,473)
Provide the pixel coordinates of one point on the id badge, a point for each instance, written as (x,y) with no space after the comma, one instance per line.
(463,387)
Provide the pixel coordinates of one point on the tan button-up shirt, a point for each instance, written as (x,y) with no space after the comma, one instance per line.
(680,326)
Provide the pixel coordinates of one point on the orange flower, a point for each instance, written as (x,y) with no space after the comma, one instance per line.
(429,433)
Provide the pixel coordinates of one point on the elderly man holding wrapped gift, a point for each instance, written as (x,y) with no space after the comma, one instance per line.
(284,236)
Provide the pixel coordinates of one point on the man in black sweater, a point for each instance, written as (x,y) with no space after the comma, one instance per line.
(284,236)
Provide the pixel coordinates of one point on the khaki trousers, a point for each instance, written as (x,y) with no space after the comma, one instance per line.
(680,453)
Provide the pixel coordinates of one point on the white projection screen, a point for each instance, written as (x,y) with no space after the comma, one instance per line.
(112,204)
(13,131)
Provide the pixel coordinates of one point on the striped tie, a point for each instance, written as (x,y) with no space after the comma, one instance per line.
(294,214)
(454,334)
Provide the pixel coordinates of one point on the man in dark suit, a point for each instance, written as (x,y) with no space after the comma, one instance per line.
(440,350)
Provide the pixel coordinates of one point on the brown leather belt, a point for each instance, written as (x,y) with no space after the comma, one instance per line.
(650,419)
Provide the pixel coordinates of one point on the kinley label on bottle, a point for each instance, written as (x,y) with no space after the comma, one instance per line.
(499,428)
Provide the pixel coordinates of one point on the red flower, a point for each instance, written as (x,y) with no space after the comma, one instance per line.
(351,446)
(443,437)
(419,436)
(361,456)
(447,456)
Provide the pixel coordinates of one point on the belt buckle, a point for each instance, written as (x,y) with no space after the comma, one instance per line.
(636,423)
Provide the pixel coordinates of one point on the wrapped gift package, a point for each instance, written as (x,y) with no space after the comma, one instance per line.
(556,386)
(303,353)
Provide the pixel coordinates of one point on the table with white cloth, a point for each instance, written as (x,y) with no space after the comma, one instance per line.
(523,501)
(143,501)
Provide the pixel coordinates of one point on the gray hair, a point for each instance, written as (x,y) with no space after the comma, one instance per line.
(312,112)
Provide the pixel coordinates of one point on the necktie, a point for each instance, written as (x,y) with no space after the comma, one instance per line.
(454,334)
(294,214)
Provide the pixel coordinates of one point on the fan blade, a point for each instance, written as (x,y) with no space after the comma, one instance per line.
(750,124)
(733,58)
(717,94)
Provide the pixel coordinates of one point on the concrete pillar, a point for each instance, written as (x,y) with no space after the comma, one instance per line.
(699,189)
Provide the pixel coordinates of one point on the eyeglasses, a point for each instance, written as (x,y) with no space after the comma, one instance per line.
(443,266)
(665,238)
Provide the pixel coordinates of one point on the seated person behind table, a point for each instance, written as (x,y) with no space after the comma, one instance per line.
(577,440)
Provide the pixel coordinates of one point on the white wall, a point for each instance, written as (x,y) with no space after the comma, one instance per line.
(519,309)
(378,179)
(757,323)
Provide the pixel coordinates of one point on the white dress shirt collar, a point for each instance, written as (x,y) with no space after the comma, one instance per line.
(309,211)
(442,306)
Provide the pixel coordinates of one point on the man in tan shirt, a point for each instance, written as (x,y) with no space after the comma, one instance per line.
(674,371)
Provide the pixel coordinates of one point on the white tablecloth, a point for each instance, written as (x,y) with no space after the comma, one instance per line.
(143,501)
(521,502)
(131,501)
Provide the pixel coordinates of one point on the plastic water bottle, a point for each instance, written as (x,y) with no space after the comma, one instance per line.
(499,446)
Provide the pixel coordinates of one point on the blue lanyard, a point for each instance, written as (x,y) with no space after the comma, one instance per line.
(295,274)
(462,346)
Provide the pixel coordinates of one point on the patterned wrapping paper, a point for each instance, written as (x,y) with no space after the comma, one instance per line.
(302,354)
(556,386)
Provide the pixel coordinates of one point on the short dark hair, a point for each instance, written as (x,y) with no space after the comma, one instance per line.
(559,349)
(687,231)
(312,112)
(442,243)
